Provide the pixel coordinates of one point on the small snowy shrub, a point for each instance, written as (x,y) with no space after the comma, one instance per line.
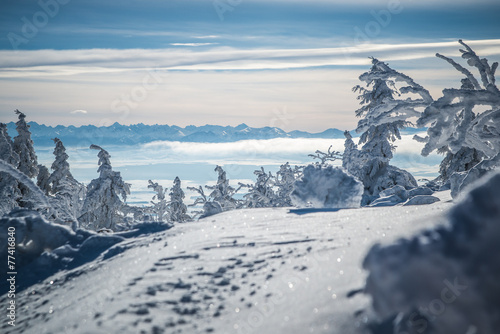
(327,187)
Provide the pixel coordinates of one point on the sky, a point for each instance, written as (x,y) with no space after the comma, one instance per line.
(285,63)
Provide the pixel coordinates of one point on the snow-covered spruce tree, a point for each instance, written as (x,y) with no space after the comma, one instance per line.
(42,179)
(177,210)
(104,203)
(10,193)
(383,115)
(260,194)
(23,146)
(284,181)
(220,199)
(7,152)
(159,201)
(464,123)
(68,193)
(222,192)
(376,174)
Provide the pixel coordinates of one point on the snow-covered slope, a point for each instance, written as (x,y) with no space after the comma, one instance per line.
(244,271)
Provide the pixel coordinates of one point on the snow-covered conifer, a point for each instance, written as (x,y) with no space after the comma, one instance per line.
(383,115)
(42,179)
(159,201)
(105,196)
(284,181)
(465,122)
(68,193)
(23,146)
(222,192)
(220,199)
(177,210)
(10,193)
(374,172)
(7,152)
(260,194)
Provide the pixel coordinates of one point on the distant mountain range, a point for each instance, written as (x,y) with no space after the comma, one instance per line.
(118,134)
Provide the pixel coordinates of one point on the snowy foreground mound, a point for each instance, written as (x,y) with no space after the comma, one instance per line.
(444,280)
(243,271)
(43,248)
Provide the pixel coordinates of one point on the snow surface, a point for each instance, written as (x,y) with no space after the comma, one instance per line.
(245,271)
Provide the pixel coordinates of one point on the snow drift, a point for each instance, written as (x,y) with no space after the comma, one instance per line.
(443,280)
(44,248)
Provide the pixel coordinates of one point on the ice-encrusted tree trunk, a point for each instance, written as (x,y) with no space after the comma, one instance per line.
(23,146)
(159,201)
(10,193)
(383,114)
(176,208)
(68,193)
(464,123)
(106,196)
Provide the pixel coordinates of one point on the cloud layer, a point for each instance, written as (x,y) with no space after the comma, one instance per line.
(65,62)
(218,85)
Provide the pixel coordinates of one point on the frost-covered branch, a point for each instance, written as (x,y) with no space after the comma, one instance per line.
(26,181)
(329,156)
(466,134)
(462,70)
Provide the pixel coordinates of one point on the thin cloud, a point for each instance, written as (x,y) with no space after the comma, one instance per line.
(224,58)
(207,37)
(79,111)
(192,44)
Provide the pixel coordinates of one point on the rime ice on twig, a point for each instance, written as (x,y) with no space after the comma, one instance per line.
(328,156)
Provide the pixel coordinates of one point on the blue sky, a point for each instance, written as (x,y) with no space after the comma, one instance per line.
(265,63)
